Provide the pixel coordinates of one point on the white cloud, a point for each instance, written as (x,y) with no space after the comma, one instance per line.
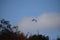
(44,21)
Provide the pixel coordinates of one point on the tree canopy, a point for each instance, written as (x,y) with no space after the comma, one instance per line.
(7,33)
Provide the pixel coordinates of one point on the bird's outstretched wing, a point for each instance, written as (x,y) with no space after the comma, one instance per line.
(34,20)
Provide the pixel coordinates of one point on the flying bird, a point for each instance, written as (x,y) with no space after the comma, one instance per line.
(34,20)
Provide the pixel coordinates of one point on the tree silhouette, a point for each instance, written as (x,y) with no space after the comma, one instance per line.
(58,38)
(7,33)
(38,37)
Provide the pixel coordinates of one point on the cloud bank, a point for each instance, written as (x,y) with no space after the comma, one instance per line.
(46,21)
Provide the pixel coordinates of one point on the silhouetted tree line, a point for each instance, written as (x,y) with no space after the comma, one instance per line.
(58,38)
(8,33)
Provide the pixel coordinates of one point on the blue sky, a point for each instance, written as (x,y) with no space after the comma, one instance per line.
(15,10)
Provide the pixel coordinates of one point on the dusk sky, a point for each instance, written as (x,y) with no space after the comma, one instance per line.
(21,13)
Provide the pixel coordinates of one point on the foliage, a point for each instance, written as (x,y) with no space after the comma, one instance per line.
(7,33)
(58,38)
(38,37)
